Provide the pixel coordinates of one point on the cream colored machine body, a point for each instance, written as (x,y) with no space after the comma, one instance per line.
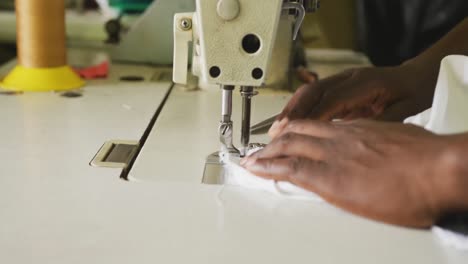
(232,43)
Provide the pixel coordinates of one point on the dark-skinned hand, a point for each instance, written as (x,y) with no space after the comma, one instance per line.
(390,94)
(390,172)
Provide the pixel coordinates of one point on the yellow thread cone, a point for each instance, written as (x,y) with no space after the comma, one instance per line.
(42,63)
(41,79)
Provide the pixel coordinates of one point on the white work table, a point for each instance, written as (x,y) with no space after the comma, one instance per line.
(55,208)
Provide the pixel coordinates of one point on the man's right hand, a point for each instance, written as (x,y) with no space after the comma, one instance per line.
(391,94)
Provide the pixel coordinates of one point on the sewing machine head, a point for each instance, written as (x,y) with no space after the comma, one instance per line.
(232,43)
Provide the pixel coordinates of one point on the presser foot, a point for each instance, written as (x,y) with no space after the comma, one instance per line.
(225,137)
(214,171)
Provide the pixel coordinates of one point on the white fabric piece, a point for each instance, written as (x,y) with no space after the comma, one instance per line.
(449,112)
(451,239)
(448,115)
(234,174)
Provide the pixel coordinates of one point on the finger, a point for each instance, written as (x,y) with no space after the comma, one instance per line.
(313,128)
(303,102)
(296,106)
(277,127)
(363,112)
(306,76)
(315,176)
(308,95)
(396,112)
(298,171)
(292,145)
(342,101)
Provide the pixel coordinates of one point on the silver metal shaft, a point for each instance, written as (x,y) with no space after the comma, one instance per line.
(247,93)
(226,103)
(225,126)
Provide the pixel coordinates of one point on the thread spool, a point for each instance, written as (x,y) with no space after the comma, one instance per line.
(42,64)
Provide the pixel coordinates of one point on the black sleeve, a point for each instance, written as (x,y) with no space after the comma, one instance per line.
(392,31)
(456,222)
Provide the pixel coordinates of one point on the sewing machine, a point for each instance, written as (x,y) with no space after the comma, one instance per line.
(232,47)
(56,208)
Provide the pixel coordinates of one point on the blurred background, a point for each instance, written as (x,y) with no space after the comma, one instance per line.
(387,31)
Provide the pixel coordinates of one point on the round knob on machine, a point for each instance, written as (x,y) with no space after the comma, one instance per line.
(228,9)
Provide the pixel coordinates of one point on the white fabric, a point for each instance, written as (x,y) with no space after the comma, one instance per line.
(449,112)
(448,115)
(234,174)
(451,239)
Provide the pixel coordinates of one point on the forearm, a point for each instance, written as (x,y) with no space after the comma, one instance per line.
(454,43)
(451,183)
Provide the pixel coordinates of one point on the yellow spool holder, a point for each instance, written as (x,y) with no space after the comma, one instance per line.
(41,79)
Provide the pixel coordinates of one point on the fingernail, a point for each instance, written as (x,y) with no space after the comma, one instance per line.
(275,125)
(251,154)
(243,161)
(248,162)
(259,154)
(273,131)
(283,123)
(256,168)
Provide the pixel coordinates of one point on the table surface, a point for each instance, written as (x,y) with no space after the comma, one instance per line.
(55,208)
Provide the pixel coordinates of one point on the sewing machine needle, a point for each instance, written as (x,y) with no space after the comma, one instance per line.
(247,93)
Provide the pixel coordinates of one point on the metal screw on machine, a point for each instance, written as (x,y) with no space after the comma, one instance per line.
(186,24)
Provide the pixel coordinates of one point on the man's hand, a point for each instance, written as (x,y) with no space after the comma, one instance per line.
(397,173)
(390,94)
